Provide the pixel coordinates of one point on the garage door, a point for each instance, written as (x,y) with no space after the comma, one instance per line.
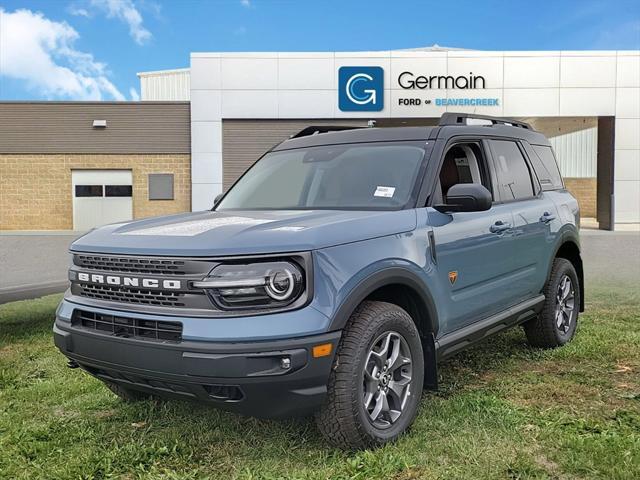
(101,197)
(244,141)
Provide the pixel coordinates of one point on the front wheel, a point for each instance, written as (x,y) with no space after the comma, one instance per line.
(376,383)
(557,323)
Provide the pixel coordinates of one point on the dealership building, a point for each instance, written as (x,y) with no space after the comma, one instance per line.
(74,165)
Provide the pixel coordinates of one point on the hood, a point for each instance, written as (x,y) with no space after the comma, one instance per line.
(243,232)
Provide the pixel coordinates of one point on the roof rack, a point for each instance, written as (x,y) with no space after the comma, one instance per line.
(314,130)
(451,118)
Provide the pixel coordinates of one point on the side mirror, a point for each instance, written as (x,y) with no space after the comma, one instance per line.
(217,199)
(466,197)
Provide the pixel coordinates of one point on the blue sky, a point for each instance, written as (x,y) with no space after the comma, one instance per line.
(92,49)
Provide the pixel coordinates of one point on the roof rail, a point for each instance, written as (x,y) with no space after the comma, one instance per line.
(451,118)
(314,130)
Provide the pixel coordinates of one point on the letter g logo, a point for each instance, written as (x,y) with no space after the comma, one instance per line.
(361,89)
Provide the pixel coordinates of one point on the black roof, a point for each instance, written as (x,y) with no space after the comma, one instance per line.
(357,135)
(318,136)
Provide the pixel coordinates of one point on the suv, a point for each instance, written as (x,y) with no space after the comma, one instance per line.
(334,276)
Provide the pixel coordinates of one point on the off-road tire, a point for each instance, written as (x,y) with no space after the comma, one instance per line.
(342,420)
(127,394)
(543,332)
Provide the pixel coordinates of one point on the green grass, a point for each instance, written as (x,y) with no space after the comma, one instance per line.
(504,410)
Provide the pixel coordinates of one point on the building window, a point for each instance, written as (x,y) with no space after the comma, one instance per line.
(88,190)
(161,186)
(117,190)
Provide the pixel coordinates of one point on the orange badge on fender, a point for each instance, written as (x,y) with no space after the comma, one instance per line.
(453,276)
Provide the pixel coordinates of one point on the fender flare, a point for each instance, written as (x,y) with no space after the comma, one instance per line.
(382,278)
(570,236)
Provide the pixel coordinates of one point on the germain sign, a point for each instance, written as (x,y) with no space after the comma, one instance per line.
(361,89)
(408,80)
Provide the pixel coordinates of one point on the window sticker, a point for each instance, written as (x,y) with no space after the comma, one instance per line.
(384,192)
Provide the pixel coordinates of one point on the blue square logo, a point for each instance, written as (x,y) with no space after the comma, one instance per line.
(361,89)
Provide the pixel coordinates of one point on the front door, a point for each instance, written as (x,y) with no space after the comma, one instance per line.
(473,249)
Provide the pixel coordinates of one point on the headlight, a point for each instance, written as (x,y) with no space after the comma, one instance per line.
(260,285)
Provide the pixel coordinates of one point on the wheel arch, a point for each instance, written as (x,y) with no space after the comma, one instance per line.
(404,288)
(569,249)
(414,294)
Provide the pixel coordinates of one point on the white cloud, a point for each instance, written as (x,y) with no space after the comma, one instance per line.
(133,93)
(41,53)
(78,12)
(127,12)
(245,3)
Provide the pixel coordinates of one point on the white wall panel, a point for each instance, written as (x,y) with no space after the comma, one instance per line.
(627,206)
(249,73)
(249,103)
(627,134)
(306,103)
(628,71)
(587,72)
(205,106)
(533,102)
(627,165)
(531,72)
(306,74)
(628,103)
(205,73)
(587,101)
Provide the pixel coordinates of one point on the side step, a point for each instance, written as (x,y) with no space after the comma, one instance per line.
(465,337)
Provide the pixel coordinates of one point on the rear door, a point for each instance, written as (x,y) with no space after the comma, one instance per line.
(535,217)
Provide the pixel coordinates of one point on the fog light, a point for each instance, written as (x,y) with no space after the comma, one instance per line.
(285,363)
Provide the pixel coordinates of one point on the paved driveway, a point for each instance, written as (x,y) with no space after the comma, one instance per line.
(32,265)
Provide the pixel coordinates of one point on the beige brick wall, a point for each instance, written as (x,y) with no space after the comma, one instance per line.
(585,190)
(35,190)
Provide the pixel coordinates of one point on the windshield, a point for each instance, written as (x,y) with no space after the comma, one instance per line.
(357,176)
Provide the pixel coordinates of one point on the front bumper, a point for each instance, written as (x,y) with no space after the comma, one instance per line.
(245,377)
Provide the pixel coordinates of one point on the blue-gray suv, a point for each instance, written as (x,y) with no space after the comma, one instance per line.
(334,276)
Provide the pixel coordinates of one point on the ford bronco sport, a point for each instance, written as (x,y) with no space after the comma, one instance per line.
(334,276)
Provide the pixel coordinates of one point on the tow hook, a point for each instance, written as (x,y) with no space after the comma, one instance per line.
(72,364)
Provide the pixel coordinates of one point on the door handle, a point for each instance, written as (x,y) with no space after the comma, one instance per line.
(499,227)
(547,217)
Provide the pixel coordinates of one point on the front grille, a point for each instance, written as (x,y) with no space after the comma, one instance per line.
(163,298)
(143,265)
(128,327)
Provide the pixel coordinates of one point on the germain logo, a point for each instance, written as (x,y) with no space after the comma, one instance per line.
(360,89)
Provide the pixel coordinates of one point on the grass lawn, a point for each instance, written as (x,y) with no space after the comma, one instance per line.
(504,411)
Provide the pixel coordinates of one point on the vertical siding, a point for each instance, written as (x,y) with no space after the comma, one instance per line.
(67,127)
(170,85)
(577,153)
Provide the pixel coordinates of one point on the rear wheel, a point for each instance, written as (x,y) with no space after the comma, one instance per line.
(375,386)
(556,324)
(127,394)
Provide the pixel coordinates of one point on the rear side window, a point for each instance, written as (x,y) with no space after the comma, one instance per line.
(546,167)
(514,178)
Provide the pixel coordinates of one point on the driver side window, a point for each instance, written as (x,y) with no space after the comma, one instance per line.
(463,163)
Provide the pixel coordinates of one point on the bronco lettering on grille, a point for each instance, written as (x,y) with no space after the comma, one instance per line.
(117,280)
